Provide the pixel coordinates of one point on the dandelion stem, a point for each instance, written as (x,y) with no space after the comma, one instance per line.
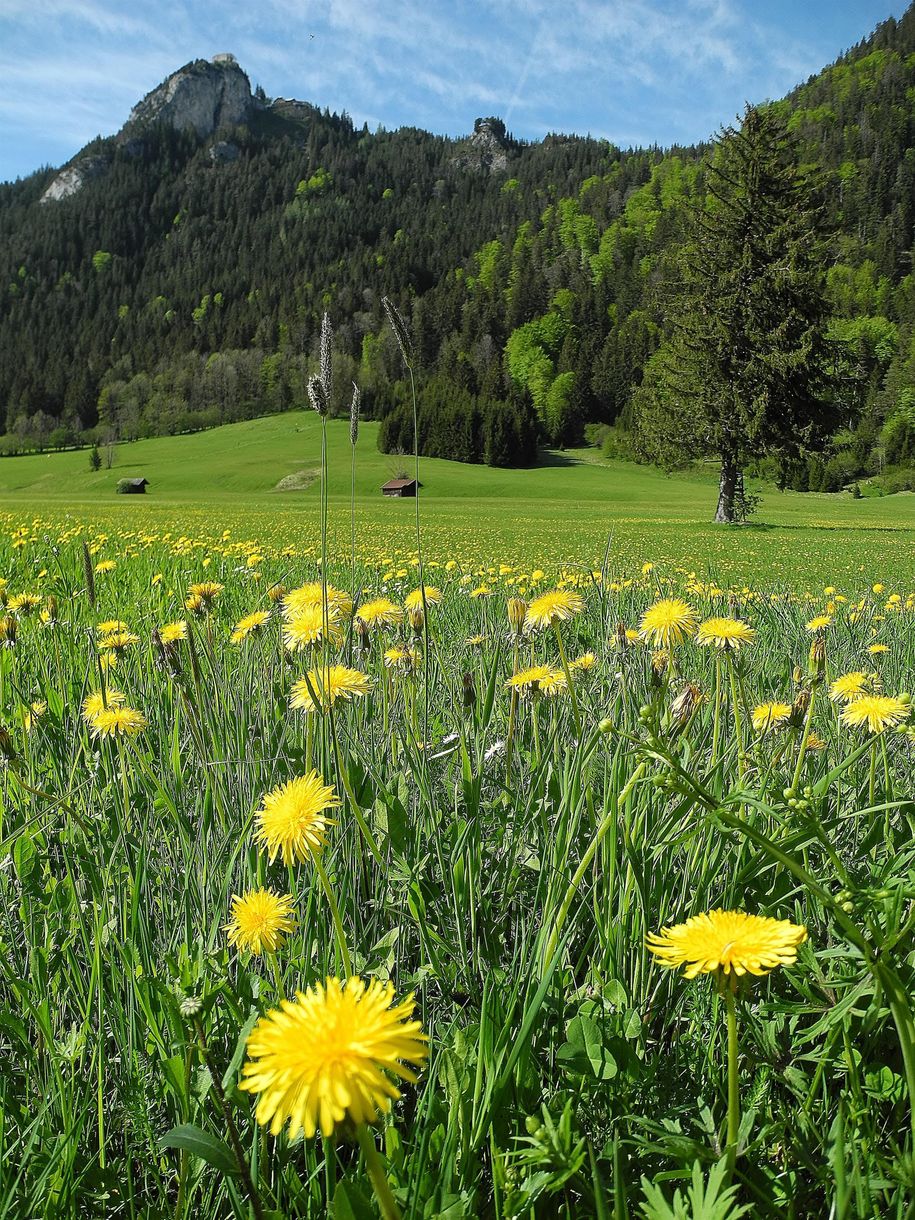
(335,915)
(375,1170)
(569,683)
(808,724)
(730,1003)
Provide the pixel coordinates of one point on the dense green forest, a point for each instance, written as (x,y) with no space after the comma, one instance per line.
(182,290)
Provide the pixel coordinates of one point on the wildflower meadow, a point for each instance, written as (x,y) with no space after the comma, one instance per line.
(505,892)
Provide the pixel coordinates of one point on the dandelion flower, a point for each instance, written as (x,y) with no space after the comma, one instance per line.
(329,1054)
(111,625)
(399,657)
(541,678)
(727,941)
(768,716)
(206,590)
(725,633)
(297,601)
(310,626)
(106,565)
(414,600)
(119,721)
(584,663)
(24,603)
(96,702)
(9,629)
(333,683)
(171,633)
(554,607)
(878,712)
(668,622)
(260,920)
(117,641)
(291,819)
(820,622)
(380,613)
(248,625)
(849,686)
(877,649)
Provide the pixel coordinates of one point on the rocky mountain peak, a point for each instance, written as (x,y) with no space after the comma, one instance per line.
(204,95)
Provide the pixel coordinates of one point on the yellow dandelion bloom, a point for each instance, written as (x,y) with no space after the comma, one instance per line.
(194,603)
(276,593)
(96,702)
(849,686)
(584,663)
(539,678)
(291,820)
(554,607)
(414,600)
(260,921)
(121,721)
(112,625)
(381,612)
(206,590)
(725,633)
(106,565)
(298,601)
(667,622)
(329,1055)
(248,625)
(9,629)
(768,716)
(171,633)
(877,712)
(308,627)
(34,712)
(399,657)
(727,941)
(877,649)
(24,603)
(820,622)
(334,683)
(117,641)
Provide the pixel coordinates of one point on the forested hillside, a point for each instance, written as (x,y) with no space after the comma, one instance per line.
(184,286)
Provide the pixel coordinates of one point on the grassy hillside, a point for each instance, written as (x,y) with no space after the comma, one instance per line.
(561,512)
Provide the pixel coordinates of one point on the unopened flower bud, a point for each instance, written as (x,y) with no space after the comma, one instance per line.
(417,620)
(517,610)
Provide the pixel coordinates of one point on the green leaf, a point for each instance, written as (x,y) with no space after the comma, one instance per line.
(585,1046)
(209,1148)
(351,1203)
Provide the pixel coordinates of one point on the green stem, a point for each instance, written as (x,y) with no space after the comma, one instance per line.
(335,916)
(609,818)
(377,1176)
(738,729)
(716,730)
(569,683)
(808,725)
(733,1084)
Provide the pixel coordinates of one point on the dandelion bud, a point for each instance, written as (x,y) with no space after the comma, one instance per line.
(469,694)
(517,609)
(622,636)
(798,675)
(8,629)
(52,609)
(817,664)
(354,408)
(4,595)
(363,631)
(7,749)
(318,395)
(417,620)
(190,1007)
(399,327)
(799,707)
(659,662)
(682,708)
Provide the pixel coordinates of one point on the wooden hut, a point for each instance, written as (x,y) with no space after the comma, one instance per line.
(132,487)
(399,487)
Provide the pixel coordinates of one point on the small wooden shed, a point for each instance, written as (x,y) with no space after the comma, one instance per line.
(132,487)
(399,487)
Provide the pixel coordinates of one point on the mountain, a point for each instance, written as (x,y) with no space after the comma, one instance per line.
(173,275)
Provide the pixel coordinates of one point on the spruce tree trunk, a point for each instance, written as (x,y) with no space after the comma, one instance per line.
(727,489)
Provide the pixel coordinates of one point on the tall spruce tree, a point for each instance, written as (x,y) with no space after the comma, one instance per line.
(744,372)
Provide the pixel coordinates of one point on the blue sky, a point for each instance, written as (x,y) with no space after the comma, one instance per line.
(633,71)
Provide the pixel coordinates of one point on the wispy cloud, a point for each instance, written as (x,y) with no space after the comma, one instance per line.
(635,71)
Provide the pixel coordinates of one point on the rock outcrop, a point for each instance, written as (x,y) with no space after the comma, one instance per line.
(486,151)
(203,95)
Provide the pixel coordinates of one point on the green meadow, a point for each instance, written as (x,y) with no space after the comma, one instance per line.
(562,512)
